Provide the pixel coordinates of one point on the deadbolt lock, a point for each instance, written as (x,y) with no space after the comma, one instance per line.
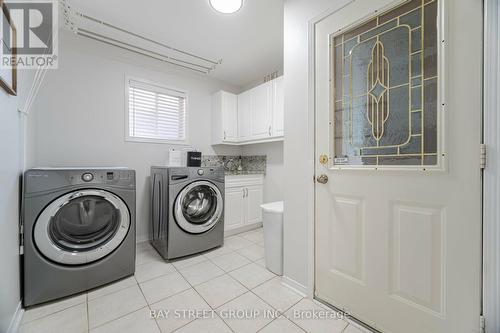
(323,159)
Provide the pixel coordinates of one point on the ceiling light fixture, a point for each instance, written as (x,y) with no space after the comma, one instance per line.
(226,6)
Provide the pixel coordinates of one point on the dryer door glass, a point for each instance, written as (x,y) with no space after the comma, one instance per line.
(81,227)
(198,207)
(84,223)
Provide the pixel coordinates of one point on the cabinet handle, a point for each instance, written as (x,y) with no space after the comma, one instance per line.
(243,192)
(224,135)
(246,192)
(269,130)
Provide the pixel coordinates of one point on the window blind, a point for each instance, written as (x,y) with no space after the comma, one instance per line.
(156,112)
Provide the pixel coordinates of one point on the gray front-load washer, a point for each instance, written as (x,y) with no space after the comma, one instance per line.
(78,230)
(187,210)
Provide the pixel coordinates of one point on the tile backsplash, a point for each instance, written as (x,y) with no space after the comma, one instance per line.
(249,164)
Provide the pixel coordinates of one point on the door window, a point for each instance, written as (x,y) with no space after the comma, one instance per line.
(385,89)
(84,223)
(199,204)
(198,207)
(81,227)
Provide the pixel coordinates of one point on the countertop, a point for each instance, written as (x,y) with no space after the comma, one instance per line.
(243,172)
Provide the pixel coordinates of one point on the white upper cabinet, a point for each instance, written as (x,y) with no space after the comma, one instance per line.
(224,118)
(253,116)
(230,116)
(244,116)
(260,111)
(278,107)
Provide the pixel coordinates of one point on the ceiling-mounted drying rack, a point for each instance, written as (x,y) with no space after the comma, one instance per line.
(178,57)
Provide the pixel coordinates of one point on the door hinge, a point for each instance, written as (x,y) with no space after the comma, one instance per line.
(482,324)
(482,155)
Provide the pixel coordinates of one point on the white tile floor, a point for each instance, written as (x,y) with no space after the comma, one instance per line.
(209,292)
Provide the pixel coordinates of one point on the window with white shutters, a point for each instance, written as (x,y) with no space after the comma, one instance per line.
(155,113)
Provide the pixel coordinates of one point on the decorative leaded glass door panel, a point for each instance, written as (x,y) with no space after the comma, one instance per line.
(400,251)
(385,89)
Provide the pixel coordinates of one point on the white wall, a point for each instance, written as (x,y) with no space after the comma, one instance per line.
(79,113)
(298,153)
(10,170)
(274,180)
(12,124)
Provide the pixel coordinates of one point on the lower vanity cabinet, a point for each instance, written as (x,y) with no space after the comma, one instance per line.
(233,208)
(254,198)
(244,195)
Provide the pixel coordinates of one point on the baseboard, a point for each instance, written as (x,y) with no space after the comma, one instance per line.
(294,285)
(141,239)
(16,319)
(242,229)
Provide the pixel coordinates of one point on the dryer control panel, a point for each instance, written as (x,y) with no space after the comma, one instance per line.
(36,180)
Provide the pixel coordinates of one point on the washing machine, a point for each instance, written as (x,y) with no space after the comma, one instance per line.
(187,210)
(78,230)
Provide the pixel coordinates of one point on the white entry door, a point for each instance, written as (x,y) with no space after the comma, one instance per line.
(398,128)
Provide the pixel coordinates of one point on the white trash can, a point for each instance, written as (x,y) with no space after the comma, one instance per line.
(272,216)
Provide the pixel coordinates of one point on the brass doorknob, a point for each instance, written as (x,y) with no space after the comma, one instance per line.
(322,179)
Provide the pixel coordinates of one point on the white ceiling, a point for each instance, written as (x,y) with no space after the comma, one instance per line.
(249,42)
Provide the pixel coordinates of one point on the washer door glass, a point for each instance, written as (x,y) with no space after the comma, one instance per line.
(82,227)
(198,207)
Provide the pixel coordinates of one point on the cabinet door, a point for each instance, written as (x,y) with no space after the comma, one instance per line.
(278,107)
(230,117)
(253,201)
(261,111)
(234,210)
(244,116)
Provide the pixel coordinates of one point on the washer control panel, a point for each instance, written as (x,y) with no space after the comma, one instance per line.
(183,174)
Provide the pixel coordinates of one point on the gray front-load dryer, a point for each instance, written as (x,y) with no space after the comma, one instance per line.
(187,210)
(78,230)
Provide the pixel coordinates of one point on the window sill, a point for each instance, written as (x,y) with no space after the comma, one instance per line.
(157,141)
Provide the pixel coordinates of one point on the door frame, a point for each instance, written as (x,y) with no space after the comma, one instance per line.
(491,175)
(491,190)
(311,130)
